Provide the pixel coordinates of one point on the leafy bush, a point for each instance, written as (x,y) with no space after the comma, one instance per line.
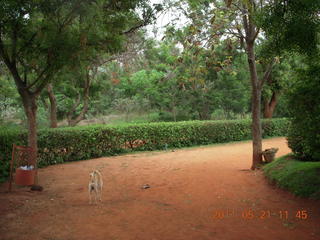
(304,135)
(275,127)
(72,144)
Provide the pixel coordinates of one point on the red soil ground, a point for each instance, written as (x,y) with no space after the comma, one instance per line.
(196,193)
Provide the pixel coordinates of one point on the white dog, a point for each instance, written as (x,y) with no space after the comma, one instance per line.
(95,186)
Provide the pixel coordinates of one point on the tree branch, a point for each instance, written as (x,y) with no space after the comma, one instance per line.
(11,65)
(143,23)
(266,73)
(256,34)
(39,76)
(74,107)
(42,85)
(133,29)
(26,44)
(245,25)
(14,45)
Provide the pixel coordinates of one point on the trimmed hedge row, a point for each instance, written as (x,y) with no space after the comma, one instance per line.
(78,143)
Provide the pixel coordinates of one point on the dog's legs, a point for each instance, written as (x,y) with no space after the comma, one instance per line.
(96,196)
(90,198)
(100,195)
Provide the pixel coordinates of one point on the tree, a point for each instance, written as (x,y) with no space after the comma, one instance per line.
(299,24)
(237,18)
(88,68)
(150,77)
(39,38)
(278,83)
(250,35)
(86,76)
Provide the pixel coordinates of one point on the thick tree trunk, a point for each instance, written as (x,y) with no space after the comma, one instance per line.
(29,101)
(269,106)
(256,108)
(30,108)
(53,107)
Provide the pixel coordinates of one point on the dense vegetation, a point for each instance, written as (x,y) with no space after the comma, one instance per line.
(156,88)
(304,137)
(299,23)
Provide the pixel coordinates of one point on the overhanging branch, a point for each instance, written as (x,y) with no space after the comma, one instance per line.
(267,73)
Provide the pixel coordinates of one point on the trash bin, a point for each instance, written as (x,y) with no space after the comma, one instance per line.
(269,154)
(23,166)
(24,177)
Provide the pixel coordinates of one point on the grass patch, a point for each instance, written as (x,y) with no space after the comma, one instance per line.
(300,178)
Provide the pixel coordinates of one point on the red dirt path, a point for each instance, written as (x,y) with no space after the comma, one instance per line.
(197,193)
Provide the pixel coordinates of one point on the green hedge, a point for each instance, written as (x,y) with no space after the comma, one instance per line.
(78,143)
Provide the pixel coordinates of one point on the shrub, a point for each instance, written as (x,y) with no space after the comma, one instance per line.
(304,135)
(78,143)
(275,127)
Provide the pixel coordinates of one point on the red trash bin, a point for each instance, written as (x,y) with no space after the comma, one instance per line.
(24,177)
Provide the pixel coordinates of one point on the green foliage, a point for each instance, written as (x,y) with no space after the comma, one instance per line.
(9,100)
(304,136)
(8,137)
(298,21)
(232,90)
(275,127)
(300,178)
(299,24)
(193,73)
(72,144)
(42,41)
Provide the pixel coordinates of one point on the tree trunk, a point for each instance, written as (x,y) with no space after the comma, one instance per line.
(53,107)
(74,121)
(174,108)
(251,34)
(174,113)
(269,106)
(30,108)
(256,108)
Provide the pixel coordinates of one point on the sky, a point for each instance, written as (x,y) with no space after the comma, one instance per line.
(157,29)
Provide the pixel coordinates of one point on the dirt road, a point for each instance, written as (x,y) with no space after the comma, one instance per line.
(197,193)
